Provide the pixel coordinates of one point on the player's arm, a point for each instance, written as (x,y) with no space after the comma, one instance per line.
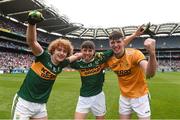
(137,33)
(105,55)
(149,66)
(74,57)
(31,39)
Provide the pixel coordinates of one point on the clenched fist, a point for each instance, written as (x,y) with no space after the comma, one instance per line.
(35,17)
(150,45)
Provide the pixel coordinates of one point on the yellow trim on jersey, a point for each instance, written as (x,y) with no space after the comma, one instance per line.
(42,71)
(91,71)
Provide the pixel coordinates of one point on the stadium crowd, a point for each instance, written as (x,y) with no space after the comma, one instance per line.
(20,29)
(169,65)
(12,45)
(16,60)
(10,61)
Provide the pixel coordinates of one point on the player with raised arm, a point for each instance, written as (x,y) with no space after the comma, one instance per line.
(132,68)
(30,101)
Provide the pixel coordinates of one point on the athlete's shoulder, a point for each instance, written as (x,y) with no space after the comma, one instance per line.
(134,54)
(44,56)
(131,51)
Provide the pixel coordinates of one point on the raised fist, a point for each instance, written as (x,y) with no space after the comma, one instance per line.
(150,45)
(35,17)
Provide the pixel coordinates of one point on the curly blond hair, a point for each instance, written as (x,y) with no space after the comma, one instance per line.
(61,42)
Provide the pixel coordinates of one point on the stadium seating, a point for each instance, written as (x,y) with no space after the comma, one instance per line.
(13,45)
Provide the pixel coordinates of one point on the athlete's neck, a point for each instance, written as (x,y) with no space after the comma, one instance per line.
(119,55)
(54,61)
(88,60)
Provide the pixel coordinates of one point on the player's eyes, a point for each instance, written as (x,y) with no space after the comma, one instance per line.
(112,42)
(64,51)
(119,41)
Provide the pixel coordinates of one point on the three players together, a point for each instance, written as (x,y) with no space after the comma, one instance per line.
(129,64)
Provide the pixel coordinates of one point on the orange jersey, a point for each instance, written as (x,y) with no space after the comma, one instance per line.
(131,77)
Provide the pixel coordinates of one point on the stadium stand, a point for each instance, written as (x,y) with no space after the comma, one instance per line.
(13,45)
(14,62)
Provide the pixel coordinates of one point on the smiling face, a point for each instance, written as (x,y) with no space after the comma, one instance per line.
(117,46)
(59,54)
(59,50)
(88,50)
(116,42)
(88,54)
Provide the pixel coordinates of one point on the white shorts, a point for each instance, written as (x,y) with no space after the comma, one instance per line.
(139,105)
(95,104)
(23,109)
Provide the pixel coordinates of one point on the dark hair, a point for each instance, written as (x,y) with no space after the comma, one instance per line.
(115,35)
(88,44)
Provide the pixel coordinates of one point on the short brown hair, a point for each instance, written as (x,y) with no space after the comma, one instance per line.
(115,35)
(61,42)
(88,44)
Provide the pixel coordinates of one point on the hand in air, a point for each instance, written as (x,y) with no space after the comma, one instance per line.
(35,17)
(149,45)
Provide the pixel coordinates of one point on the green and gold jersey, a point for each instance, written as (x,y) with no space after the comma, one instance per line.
(40,78)
(92,73)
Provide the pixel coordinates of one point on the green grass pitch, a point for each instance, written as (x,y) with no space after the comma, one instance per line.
(164,89)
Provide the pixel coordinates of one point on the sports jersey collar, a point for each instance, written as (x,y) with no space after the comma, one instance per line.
(88,61)
(120,55)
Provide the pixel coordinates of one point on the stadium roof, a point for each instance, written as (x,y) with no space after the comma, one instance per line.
(54,22)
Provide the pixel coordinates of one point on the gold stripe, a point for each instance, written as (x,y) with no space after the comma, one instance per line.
(42,71)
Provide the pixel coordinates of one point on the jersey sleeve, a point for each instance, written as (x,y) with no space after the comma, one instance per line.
(44,55)
(64,63)
(74,65)
(104,56)
(108,54)
(138,56)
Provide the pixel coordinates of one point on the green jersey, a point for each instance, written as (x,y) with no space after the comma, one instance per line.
(40,78)
(92,73)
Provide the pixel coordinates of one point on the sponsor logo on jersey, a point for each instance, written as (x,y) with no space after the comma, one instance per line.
(42,71)
(91,71)
(123,72)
